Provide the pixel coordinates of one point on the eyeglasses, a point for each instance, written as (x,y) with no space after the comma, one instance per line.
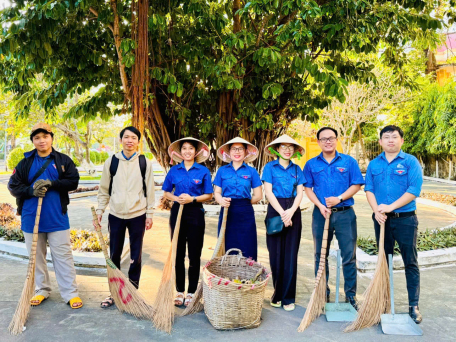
(330,139)
(237,149)
(287,148)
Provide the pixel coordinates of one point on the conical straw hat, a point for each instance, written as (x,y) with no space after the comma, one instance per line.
(224,153)
(284,139)
(202,152)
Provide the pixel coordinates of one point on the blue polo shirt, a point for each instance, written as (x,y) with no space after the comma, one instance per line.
(51,219)
(332,179)
(388,181)
(283,180)
(194,182)
(237,183)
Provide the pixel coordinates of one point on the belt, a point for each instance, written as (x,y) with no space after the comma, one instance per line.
(335,210)
(397,215)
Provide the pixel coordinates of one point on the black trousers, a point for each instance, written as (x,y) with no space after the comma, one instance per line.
(283,250)
(404,230)
(343,224)
(136,228)
(191,235)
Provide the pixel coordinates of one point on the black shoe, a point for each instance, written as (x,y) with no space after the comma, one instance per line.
(328,297)
(353,301)
(414,312)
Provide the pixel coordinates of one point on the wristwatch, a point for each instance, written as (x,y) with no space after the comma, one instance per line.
(340,199)
(194,199)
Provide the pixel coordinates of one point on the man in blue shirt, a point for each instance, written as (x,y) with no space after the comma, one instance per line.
(332,179)
(47,173)
(393,181)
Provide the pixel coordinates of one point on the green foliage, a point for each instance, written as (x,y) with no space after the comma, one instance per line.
(104,156)
(14,157)
(429,120)
(427,240)
(95,157)
(285,60)
(76,161)
(149,155)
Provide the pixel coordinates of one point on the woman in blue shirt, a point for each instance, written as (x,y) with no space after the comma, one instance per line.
(192,186)
(233,185)
(283,184)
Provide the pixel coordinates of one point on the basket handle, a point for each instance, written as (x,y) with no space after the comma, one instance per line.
(228,252)
(234,250)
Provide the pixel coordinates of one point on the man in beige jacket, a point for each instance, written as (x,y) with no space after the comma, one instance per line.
(127,185)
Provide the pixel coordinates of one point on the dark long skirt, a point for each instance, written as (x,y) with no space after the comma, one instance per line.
(283,250)
(240,228)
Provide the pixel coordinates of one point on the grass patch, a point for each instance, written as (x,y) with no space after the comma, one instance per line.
(427,241)
(5,173)
(90,177)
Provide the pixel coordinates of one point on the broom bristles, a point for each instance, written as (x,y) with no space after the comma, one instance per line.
(317,301)
(376,298)
(17,324)
(20,316)
(377,295)
(164,303)
(126,296)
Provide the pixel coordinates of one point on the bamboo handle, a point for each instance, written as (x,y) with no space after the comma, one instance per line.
(324,246)
(100,235)
(221,237)
(176,232)
(32,256)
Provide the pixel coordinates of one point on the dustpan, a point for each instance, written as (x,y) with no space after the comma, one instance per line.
(339,312)
(398,324)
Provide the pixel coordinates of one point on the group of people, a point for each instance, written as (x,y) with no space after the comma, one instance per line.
(330,180)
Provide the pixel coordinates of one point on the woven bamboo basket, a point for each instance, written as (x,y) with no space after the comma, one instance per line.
(230,305)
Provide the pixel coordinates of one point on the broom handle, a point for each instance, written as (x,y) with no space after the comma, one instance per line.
(337,276)
(176,233)
(100,235)
(32,256)
(221,237)
(324,245)
(390,258)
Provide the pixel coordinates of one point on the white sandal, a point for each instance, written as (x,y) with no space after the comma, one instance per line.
(179,299)
(189,298)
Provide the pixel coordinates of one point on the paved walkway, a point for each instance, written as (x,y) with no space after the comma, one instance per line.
(56,319)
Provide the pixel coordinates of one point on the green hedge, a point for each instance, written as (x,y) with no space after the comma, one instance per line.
(427,240)
(95,157)
(149,155)
(104,156)
(15,156)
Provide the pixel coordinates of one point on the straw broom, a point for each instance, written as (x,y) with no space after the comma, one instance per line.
(318,298)
(126,296)
(377,296)
(164,302)
(17,325)
(196,305)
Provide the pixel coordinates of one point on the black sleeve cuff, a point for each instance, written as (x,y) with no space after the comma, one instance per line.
(30,191)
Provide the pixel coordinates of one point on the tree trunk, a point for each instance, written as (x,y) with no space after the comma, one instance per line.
(363,149)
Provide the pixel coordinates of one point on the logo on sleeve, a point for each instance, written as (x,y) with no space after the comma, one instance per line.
(197,181)
(341,169)
(55,167)
(14,171)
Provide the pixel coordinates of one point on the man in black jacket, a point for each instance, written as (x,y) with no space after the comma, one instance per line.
(47,173)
